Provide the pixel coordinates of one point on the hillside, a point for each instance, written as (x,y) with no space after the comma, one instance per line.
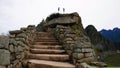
(113,35)
(98,40)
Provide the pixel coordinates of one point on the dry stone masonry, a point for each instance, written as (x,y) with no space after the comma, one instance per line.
(69,31)
(14,51)
(61,43)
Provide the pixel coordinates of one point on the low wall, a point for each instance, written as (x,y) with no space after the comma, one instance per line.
(79,48)
(14,53)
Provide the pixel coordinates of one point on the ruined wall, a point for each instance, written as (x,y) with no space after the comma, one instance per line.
(14,53)
(73,38)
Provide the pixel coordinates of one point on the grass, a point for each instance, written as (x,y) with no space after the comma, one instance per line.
(113,60)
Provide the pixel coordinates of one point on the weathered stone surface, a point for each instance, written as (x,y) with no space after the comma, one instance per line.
(60,21)
(87,50)
(15,32)
(88,54)
(4,57)
(23,29)
(31,26)
(68,39)
(11,48)
(68,47)
(12,41)
(4,41)
(88,60)
(99,64)
(22,35)
(21,39)
(70,42)
(11,36)
(16,49)
(78,50)
(78,55)
(20,48)
(10,66)
(20,43)
(2,66)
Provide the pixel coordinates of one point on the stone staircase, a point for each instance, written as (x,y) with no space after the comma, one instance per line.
(47,53)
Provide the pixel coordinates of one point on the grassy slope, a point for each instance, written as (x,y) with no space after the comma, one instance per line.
(113,60)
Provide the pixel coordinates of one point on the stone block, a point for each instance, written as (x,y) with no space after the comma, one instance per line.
(2,66)
(20,48)
(16,49)
(12,41)
(78,50)
(69,52)
(20,43)
(70,42)
(21,39)
(4,41)
(11,48)
(4,57)
(68,39)
(88,54)
(22,35)
(15,32)
(87,60)
(68,47)
(11,36)
(78,55)
(87,50)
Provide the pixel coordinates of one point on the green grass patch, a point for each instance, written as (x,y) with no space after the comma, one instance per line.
(113,60)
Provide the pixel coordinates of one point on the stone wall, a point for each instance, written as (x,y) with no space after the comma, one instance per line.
(79,48)
(73,38)
(15,51)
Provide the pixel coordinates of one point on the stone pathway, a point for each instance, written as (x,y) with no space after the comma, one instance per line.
(47,53)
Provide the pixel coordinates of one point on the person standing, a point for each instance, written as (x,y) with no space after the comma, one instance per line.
(63,10)
(58,9)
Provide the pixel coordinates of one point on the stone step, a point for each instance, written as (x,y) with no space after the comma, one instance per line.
(47,51)
(46,43)
(47,46)
(45,40)
(44,33)
(51,57)
(48,64)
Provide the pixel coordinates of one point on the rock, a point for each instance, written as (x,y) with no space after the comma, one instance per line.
(88,54)
(21,39)
(78,55)
(87,50)
(15,32)
(100,64)
(2,66)
(4,57)
(78,50)
(20,48)
(16,49)
(4,41)
(11,48)
(23,29)
(12,41)
(10,66)
(11,36)
(70,42)
(31,26)
(68,46)
(87,60)
(60,21)
(22,35)
(20,43)
(85,65)
(68,39)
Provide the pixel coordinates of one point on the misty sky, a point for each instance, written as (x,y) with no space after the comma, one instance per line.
(20,13)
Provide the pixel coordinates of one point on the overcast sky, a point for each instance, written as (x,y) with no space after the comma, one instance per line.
(103,14)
